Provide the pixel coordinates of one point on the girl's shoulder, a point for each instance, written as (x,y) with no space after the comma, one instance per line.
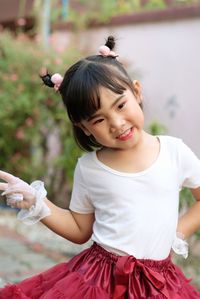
(170,141)
(87,159)
(84,165)
(86,156)
(174,145)
(171,146)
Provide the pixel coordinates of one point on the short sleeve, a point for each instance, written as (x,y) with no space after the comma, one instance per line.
(189,167)
(80,200)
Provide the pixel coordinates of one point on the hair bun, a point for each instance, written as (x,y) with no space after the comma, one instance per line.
(110,42)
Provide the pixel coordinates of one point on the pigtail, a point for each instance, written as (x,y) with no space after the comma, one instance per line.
(54,80)
(110,42)
(107,49)
(47,80)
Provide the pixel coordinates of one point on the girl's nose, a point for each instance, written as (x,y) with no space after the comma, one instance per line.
(116,123)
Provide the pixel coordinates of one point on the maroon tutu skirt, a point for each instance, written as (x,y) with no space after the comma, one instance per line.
(98,274)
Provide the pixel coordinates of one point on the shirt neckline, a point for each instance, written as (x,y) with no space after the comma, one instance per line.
(130,174)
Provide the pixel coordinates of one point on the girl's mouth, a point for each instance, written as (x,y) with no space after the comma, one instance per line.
(126,135)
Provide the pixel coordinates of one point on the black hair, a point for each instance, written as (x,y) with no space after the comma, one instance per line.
(46,78)
(80,89)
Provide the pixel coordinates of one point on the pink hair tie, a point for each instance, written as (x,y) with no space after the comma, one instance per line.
(105,51)
(57,80)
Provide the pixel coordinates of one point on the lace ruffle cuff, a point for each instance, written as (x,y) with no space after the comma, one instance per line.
(180,246)
(39,210)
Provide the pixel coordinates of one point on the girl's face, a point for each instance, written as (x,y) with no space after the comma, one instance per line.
(119,122)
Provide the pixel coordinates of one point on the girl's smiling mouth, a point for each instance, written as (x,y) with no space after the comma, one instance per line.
(126,135)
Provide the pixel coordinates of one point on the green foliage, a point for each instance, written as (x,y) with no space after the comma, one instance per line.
(99,11)
(87,11)
(155,4)
(30,112)
(156,128)
(186,198)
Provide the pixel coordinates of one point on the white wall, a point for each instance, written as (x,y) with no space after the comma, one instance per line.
(165,57)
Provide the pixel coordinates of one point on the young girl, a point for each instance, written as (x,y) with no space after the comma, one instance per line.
(125,195)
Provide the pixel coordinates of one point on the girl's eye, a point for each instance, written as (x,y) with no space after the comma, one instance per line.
(121,105)
(98,121)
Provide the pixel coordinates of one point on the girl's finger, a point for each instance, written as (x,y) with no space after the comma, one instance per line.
(14,197)
(19,205)
(3,186)
(7,193)
(9,178)
(22,205)
(13,189)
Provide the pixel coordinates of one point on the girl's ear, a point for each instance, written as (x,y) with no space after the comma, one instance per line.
(137,91)
(83,128)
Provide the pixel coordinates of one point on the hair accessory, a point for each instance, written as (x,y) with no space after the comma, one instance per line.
(51,80)
(46,78)
(57,80)
(105,51)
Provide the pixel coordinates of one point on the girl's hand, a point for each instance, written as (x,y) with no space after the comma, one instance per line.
(18,193)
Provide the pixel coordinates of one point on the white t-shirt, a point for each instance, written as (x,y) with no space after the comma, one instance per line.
(136,213)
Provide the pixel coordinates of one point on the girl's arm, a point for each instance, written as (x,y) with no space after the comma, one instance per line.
(190,221)
(72,226)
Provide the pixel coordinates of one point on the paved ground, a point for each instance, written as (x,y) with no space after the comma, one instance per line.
(27,250)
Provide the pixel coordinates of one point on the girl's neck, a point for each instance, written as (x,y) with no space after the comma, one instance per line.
(134,159)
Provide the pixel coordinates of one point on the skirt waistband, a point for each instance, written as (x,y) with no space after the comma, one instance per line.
(110,256)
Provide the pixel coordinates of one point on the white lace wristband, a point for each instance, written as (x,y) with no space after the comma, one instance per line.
(180,246)
(39,210)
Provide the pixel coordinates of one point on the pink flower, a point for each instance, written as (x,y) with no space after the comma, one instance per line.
(59,49)
(14,77)
(58,61)
(20,134)
(49,102)
(21,22)
(29,122)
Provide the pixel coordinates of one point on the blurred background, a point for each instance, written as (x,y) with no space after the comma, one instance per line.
(159,43)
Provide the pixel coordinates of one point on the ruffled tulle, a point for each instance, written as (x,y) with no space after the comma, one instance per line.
(98,274)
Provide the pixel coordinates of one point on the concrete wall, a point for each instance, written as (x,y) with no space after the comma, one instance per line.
(165,57)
